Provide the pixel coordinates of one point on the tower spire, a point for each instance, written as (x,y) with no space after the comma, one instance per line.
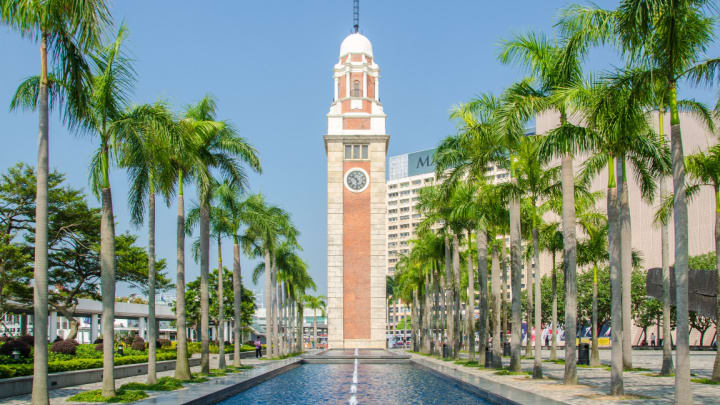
(356,15)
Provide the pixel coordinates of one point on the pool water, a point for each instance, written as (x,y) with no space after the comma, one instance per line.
(376,384)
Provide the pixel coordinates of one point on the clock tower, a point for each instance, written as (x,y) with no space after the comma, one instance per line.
(356,146)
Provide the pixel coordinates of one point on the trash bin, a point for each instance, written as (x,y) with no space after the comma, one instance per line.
(488,357)
(445,351)
(506,349)
(584,354)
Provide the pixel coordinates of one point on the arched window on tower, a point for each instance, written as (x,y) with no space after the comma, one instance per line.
(356,90)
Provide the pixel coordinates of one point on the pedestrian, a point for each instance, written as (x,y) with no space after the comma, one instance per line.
(258,348)
(547,340)
(652,339)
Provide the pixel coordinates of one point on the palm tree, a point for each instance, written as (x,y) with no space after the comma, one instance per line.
(551,240)
(538,184)
(219,148)
(67,30)
(554,67)
(147,131)
(668,37)
(109,87)
(704,170)
(619,133)
(240,213)
(264,233)
(594,251)
(315,303)
(465,158)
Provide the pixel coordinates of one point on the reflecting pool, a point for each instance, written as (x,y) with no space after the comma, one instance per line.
(342,384)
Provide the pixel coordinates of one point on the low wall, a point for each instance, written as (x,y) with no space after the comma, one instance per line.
(10,387)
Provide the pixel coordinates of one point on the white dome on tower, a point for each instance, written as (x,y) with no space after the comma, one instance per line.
(356,43)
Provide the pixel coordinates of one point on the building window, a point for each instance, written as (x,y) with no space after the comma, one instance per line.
(356,152)
(416,182)
(356,90)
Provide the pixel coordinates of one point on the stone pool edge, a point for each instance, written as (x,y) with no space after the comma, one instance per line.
(489,390)
(221,388)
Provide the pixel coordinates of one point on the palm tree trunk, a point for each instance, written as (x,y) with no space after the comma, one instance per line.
(414,318)
(680,216)
(315,339)
(221,307)
(449,301)
(182,365)
(152,329)
(268,304)
(553,347)
(237,302)
(570,266)
(595,353)
(616,357)
(716,366)
(427,314)
(497,341)
(204,285)
(529,289)
(470,309)
(275,310)
(626,263)
(667,363)
(481,242)
(516,278)
(40,282)
(107,271)
(457,339)
(503,302)
(537,364)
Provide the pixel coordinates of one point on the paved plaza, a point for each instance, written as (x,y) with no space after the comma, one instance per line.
(593,383)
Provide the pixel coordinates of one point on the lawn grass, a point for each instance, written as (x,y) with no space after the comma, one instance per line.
(162,384)
(658,375)
(121,395)
(506,371)
(558,361)
(705,381)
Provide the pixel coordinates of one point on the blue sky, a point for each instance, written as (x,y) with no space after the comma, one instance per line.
(269,64)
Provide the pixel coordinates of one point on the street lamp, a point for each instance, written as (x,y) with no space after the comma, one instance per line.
(16,354)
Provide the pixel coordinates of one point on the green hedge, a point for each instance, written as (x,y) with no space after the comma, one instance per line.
(17,370)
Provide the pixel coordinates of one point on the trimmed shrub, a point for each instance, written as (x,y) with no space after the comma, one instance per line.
(28,339)
(16,370)
(165,342)
(8,347)
(138,343)
(98,340)
(64,347)
(99,347)
(5,338)
(58,339)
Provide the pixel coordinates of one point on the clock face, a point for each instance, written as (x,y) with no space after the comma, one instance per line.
(356,180)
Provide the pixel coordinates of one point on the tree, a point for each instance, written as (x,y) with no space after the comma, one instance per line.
(315,303)
(667,37)
(465,157)
(551,239)
(192,300)
(555,67)
(704,169)
(147,131)
(239,213)
(67,30)
(619,133)
(218,148)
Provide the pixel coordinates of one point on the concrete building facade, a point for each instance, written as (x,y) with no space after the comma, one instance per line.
(356,147)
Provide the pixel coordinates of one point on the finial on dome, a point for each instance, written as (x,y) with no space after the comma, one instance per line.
(356,15)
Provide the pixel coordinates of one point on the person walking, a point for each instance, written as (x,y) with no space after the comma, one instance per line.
(258,348)
(652,339)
